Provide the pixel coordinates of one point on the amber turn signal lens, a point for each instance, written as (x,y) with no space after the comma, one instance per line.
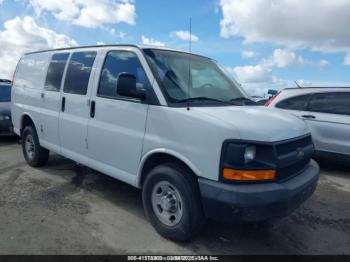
(248,175)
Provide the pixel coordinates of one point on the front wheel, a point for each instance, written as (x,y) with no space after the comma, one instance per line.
(34,154)
(172,202)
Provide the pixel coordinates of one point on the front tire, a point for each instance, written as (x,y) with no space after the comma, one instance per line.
(34,154)
(172,203)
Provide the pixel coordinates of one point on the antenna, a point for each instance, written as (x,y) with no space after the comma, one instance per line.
(189,66)
(296,82)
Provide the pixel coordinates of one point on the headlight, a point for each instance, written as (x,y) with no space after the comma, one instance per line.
(247,161)
(2,117)
(239,154)
(249,154)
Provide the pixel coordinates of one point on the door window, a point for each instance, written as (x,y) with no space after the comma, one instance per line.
(333,103)
(294,103)
(55,72)
(78,72)
(118,62)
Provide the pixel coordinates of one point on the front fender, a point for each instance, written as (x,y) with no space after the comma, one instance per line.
(170,152)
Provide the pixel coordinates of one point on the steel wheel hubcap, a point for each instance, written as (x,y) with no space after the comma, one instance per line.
(29,146)
(167,203)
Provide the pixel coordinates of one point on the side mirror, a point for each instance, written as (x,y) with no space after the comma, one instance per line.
(126,86)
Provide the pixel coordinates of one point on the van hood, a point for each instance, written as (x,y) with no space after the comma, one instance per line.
(258,123)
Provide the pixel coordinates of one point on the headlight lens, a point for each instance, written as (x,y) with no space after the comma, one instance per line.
(2,117)
(247,161)
(249,154)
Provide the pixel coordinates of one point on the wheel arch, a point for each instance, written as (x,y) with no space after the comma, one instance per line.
(159,156)
(26,119)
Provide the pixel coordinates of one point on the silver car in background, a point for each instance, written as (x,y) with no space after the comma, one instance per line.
(6,127)
(326,110)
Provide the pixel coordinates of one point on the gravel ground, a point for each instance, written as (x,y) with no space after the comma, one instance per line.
(64,208)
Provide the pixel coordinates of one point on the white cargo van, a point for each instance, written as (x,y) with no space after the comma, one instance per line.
(170,123)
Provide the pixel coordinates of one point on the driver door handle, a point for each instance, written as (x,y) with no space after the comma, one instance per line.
(92,109)
(63,105)
(308,116)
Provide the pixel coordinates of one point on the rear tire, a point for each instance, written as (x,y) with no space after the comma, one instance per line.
(172,203)
(34,154)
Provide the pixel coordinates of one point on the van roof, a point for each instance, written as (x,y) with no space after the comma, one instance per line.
(141,47)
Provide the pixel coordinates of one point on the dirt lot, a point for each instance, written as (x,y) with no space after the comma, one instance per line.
(64,208)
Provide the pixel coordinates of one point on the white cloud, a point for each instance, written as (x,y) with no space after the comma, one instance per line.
(23,35)
(347,59)
(1,1)
(282,58)
(121,35)
(323,62)
(100,43)
(248,54)
(88,13)
(263,71)
(320,25)
(303,82)
(185,36)
(114,32)
(151,41)
(252,73)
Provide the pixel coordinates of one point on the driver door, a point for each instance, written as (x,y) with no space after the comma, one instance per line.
(117,123)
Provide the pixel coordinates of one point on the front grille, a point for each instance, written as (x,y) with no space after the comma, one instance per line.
(291,146)
(292,170)
(290,162)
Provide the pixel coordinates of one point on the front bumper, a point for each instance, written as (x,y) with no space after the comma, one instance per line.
(257,202)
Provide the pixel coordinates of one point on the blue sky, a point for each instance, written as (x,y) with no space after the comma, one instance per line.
(264,43)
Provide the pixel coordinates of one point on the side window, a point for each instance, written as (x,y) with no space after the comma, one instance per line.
(78,73)
(120,62)
(55,72)
(294,103)
(332,103)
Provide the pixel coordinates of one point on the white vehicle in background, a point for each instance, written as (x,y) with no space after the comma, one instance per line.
(170,123)
(326,110)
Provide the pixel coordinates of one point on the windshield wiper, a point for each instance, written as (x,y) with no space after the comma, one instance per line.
(202,98)
(243,100)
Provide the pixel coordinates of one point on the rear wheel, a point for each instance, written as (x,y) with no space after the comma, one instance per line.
(34,154)
(172,203)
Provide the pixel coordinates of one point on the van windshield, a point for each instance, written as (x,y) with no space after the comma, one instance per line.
(205,82)
(5,93)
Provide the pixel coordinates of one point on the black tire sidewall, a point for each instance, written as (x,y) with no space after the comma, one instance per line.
(29,130)
(192,218)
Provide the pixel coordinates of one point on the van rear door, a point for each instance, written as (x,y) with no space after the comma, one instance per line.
(117,123)
(75,106)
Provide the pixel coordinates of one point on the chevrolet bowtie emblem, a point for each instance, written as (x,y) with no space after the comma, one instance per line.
(300,154)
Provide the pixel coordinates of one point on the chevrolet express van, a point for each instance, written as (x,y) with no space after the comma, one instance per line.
(170,123)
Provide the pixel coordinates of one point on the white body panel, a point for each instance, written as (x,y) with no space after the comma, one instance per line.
(123,134)
(26,91)
(330,132)
(73,128)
